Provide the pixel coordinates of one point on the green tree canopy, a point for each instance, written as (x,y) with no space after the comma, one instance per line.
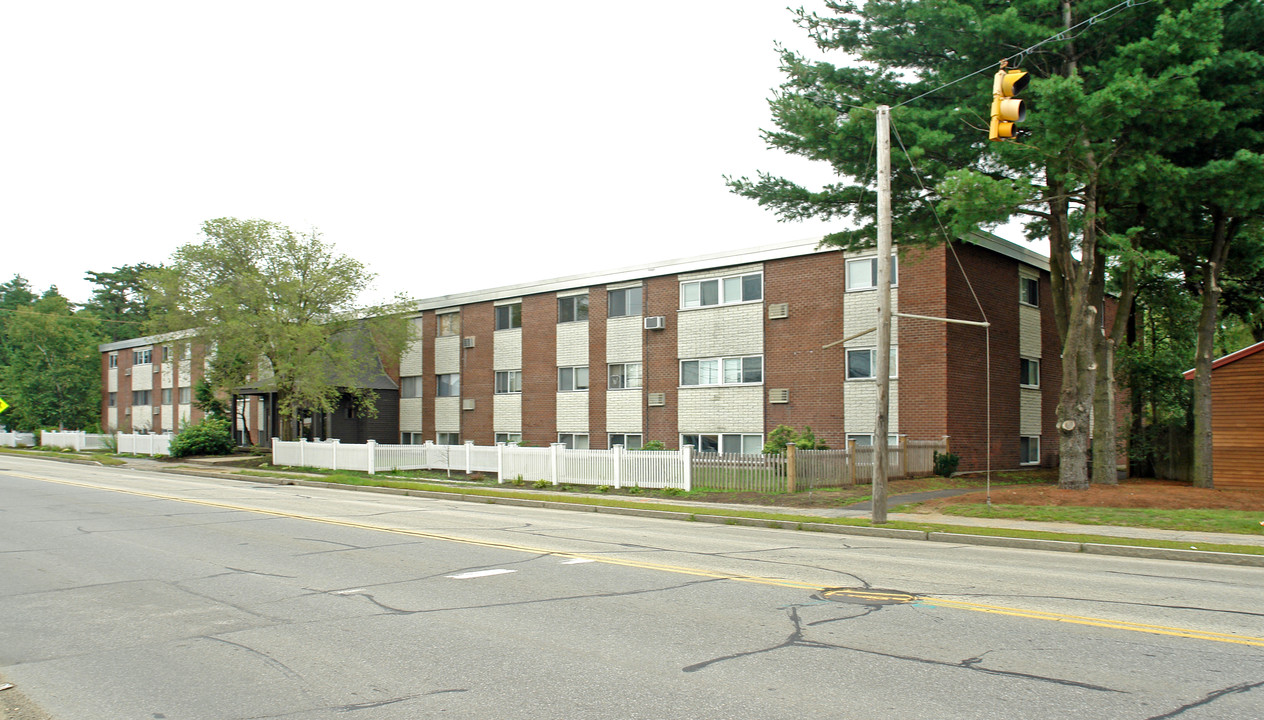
(119,300)
(278,309)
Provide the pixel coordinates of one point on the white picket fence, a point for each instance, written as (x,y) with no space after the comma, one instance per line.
(17,439)
(74,440)
(555,464)
(150,444)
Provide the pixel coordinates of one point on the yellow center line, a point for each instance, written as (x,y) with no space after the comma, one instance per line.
(641,564)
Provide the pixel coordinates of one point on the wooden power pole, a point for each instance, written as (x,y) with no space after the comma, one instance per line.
(882,366)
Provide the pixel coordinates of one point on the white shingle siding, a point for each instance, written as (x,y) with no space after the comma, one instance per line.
(860,406)
(410,415)
(507,413)
(1028,411)
(507,349)
(142,378)
(860,312)
(167,375)
(720,331)
(623,411)
(447,414)
(623,339)
(572,412)
(112,419)
(185,373)
(1029,331)
(721,409)
(572,344)
(413,361)
(111,380)
(447,356)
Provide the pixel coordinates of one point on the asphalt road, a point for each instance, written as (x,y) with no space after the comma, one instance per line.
(127,594)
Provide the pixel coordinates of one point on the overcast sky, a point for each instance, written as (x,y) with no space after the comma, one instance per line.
(450,146)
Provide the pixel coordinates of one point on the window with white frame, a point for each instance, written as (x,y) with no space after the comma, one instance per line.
(866,439)
(625,376)
(572,379)
(862,364)
(448,385)
(142,357)
(572,308)
(624,302)
(728,443)
(508,381)
(187,352)
(411,438)
(1029,372)
(747,370)
(410,386)
(113,399)
(449,324)
(862,273)
(1029,449)
(629,441)
(166,353)
(186,395)
(573,441)
(140,397)
(166,396)
(508,438)
(509,316)
(448,438)
(722,291)
(113,360)
(1029,291)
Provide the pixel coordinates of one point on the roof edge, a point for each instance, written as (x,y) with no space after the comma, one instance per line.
(1231,357)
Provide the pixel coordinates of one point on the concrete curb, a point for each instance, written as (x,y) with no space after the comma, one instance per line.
(1152,553)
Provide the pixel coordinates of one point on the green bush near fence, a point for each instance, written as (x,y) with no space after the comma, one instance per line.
(212,436)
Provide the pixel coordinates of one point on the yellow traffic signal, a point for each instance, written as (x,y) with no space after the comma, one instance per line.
(1007,109)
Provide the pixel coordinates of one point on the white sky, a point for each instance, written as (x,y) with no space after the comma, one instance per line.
(450,146)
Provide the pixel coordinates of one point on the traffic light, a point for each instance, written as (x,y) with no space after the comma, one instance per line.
(1007,109)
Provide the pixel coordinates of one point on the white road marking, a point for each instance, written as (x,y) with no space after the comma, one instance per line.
(480,573)
(349,592)
(577,561)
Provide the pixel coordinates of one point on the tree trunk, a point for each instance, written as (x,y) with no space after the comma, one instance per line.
(1207,320)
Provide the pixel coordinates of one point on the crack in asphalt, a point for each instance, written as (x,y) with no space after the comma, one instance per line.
(797,639)
(1210,698)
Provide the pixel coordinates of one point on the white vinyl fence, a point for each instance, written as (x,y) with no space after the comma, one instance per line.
(554,464)
(149,444)
(17,439)
(617,467)
(74,440)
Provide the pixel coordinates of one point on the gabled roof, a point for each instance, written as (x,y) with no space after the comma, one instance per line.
(1231,357)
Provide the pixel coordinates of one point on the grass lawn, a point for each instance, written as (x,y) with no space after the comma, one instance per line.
(1200,519)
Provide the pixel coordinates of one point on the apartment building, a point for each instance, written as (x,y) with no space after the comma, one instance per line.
(712,351)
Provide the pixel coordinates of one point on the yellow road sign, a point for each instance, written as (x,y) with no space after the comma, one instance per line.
(3,405)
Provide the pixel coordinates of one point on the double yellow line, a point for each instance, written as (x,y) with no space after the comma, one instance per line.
(640,564)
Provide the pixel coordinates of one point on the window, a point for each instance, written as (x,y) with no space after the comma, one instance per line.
(571,379)
(629,442)
(508,381)
(113,400)
(509,316)
(449,385)
(722,291)
(508,437)
(862,273)
(186,395)
(725,443)
(1029,449)
(166,396)
(166,353)
(450,324)
(188,352)
(866,439)
(448,438)
(723,371)
(573,441)
(410,386)
(113,360)
(142,357)
(1029,373)
(1029,291)
(572,309)
(140,397)
(627,301)
(411,438)
(863,364)
(625,376)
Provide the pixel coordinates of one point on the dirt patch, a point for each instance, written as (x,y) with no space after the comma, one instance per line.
(1132,493)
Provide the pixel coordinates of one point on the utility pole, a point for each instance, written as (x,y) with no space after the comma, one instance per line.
(883,364)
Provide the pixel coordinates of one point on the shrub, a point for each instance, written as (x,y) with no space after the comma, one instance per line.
(782,435)
(654,445)
(541,484)
(946,463)
(212,436)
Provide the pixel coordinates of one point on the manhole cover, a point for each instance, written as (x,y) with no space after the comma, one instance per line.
(867,596)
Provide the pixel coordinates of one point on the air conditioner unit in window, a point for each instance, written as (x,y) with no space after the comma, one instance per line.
(657,399)
(779,395)
(127,371)
(157,409)
(127,411)
(467,404)
(655,322)
(777,311)
(467,342)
